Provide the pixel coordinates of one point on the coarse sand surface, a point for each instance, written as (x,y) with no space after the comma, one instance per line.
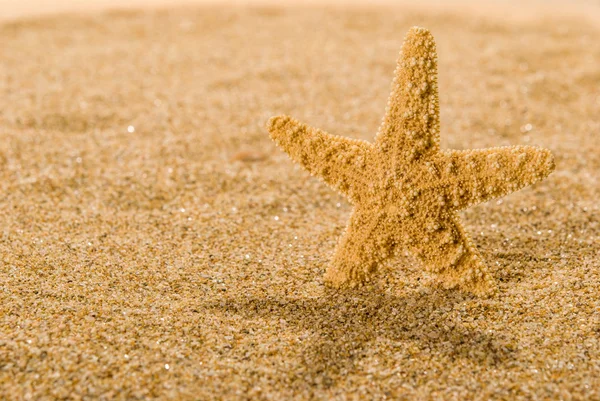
(155,244)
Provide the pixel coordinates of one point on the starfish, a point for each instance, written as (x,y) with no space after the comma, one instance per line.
(406,192)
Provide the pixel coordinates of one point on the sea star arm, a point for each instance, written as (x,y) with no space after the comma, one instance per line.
(410,127)
(363,246)
(339,161)
(476,176)
(445,248)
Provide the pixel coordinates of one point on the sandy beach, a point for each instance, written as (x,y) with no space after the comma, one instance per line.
(155,243)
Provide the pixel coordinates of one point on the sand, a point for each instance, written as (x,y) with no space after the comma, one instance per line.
(156,245)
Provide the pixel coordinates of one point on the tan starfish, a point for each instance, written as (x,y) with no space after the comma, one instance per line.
(406,192)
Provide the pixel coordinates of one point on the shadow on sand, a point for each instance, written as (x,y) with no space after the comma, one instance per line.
(346,326)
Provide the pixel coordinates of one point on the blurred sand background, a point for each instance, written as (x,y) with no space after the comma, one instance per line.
(512,9)
(155,245)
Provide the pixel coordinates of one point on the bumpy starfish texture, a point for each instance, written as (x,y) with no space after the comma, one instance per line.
(406,192)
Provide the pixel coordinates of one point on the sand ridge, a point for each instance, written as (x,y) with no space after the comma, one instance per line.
(156,245)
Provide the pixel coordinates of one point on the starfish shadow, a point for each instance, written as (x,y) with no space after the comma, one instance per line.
(339,330)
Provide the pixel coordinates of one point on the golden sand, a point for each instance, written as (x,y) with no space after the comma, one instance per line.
(405,191)
(156,244)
